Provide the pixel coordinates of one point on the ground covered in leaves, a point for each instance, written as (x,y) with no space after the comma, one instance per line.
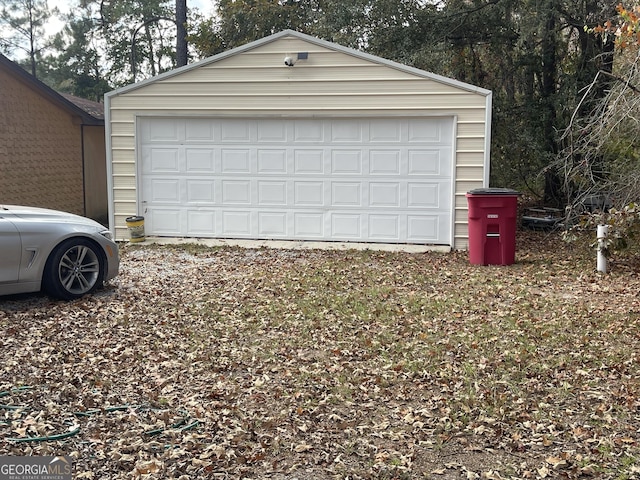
(309,364)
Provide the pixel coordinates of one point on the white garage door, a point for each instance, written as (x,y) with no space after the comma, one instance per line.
(360,180)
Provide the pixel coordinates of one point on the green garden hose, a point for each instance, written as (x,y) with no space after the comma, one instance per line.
(180,426)
(49,438)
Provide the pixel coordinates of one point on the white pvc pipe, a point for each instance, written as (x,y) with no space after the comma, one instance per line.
(602,259)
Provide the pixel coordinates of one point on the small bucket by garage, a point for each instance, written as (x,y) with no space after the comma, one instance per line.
(136,228)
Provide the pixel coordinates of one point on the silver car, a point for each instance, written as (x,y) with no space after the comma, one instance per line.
(63,254)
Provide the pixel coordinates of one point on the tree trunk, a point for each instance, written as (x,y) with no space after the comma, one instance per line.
(181,38)
(552,183)
(151,53)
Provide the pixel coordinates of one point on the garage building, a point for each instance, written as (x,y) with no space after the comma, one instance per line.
(295,138)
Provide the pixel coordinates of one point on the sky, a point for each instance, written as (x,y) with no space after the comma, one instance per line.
(206,7)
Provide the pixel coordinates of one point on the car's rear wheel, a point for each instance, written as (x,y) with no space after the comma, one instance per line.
(74,269)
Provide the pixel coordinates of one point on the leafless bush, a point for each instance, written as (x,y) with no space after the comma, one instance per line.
(601,157)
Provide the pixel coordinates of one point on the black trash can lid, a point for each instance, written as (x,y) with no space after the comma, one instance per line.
(494,191)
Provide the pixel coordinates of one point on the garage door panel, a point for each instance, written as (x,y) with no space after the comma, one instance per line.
(200,222)
(164,191)
(272,132)
(200,191)
(200,130)
(161,160)
(346,226)
(346,131)
(380,180)
(384,227)
(428,131)
(346,194)
(433,195)
(272,161)
(164,221)
(236,161)
(308,162)
(309,194)
(308,131)
(384,194)
(235,131)
(429,162)
(384,162)
(272,193)
(236,192)
(272,224)
(161,130)
(200,160)
(308,225)
(421,227)
(346,162)
(385,131)
(236,223)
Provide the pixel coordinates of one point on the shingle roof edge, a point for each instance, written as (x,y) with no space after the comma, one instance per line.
(48,92)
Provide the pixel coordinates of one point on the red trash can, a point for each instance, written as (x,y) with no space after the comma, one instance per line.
(492,226)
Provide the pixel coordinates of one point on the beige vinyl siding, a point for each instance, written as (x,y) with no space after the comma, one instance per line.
(470,144)
(352,104)
(471,129)
(331,83)
(123,169)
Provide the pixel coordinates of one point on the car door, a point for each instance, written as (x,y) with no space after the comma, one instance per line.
(11,248)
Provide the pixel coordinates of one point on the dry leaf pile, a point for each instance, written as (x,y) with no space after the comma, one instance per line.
(292,364)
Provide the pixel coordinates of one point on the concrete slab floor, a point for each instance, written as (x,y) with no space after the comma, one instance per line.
(296,245)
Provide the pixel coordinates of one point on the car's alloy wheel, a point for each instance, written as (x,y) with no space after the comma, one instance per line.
(74,269)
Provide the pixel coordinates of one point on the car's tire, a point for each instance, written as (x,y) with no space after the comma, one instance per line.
(73,269)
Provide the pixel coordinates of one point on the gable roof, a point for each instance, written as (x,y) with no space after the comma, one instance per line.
(315,41)
(87,116)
